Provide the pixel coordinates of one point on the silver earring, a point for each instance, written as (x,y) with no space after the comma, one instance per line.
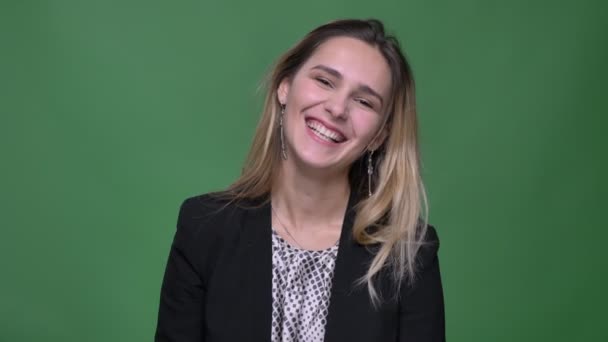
(370,171)
(282,136)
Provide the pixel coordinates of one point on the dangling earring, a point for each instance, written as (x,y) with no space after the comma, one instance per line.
(370,171)
(282,136)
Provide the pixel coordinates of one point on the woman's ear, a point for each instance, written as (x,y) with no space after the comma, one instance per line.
(283,91)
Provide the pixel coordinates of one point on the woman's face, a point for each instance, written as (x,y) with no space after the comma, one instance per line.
(335,105)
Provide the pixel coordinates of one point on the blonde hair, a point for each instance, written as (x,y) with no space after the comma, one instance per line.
(395,216)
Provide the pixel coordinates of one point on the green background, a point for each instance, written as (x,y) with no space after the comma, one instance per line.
(113,112)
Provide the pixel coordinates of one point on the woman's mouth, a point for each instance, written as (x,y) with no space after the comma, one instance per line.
(323,132)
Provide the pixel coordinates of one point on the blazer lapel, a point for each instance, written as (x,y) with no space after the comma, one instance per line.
(259,272)
(348,301)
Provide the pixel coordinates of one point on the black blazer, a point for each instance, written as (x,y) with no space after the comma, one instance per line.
(217,283)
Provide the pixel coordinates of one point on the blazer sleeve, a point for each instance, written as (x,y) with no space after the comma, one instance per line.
(182,297)
(422,317)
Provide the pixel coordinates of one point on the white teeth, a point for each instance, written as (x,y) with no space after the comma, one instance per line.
(323,132)
(322,136)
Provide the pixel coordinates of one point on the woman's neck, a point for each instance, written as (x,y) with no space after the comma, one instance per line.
(310,202)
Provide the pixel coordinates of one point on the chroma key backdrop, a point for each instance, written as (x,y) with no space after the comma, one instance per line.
(113,112)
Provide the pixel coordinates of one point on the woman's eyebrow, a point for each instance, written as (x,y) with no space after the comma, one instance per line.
(364,88)
(328,70)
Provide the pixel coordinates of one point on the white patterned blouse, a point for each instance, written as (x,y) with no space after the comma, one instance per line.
(301,285)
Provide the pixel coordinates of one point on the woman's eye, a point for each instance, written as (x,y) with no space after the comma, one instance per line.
(323,81)
(365,103)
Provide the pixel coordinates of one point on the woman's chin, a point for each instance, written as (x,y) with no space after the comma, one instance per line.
(318,165)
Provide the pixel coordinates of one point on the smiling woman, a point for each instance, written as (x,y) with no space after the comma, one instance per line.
(324,237)
(334,113)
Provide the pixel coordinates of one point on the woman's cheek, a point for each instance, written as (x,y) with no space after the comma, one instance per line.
(365,124)
(311,91)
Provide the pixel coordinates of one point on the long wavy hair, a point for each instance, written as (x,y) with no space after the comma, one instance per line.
(394,218)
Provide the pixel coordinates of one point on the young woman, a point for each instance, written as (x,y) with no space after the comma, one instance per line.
(324,235)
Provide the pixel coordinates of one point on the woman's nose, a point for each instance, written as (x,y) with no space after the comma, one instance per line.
(337,105)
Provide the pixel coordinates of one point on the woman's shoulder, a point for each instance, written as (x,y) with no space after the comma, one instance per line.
(206,222)
(203,204)
(207,225)
(429,244)
(426,233)
(204,207)
(214,209)
(431,236)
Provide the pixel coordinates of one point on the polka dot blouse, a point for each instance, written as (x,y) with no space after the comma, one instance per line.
(301,285)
